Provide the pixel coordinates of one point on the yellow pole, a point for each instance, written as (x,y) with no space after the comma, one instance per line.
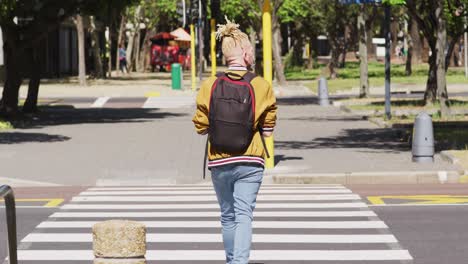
(213,47)
(192,57)
(268,71)
(267,39)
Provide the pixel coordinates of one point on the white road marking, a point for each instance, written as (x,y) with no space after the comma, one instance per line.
(209,187)
(211,214)
(169,102)
(424,205)
(200,198)
(91,193)
(217,238)
(100,102)
(217,224)
(207,206)
(219,255)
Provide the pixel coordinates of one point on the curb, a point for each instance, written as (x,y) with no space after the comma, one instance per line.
(399,177)
(447,156)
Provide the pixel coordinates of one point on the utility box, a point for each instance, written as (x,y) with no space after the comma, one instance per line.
(423,139)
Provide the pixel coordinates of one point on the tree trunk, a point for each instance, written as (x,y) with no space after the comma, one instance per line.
(30,106)
(109,53)
(146,52)
(440,60)
(131,39)
(98,68)
(450,56)
(430,96)
(130,45)
(279,66)
(138,57)
(9,102)
(343,47)
(394,31)
(120,42)
(334,61)
(298,45)
(409,57)
(416,55)
(81,50)
(371,48)
(312,54)
(364,71)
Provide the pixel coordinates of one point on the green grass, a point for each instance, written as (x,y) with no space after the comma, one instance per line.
(348,77)
(5,125)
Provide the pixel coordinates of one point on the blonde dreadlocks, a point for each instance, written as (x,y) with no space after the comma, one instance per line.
(233,39)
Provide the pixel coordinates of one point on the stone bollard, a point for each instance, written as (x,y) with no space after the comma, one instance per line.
(119,241)
(423,139)
(323,92)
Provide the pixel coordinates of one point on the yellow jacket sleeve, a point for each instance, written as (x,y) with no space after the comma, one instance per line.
(268,120)
(200,119)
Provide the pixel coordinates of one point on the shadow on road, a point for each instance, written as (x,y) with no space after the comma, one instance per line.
(379,139)
(280,158)
(18,137)
(54,116)
(328,118)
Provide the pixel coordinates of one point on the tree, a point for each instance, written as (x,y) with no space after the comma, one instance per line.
(25,25)
(96,48)
(336,18)
(305,20)
(431,17)
(81,50)
(364,71)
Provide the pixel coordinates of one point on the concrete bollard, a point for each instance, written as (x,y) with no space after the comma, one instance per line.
(323,92)
(423,139)
(119,241)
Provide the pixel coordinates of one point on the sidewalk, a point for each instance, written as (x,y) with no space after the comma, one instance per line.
(158,146)
(333,146)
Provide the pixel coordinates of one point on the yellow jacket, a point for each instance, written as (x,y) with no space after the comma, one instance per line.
(265,116)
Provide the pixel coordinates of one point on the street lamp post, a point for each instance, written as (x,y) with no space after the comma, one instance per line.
(465,47)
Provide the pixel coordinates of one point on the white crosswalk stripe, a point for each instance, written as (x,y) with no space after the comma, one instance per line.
(293,224)
(169,102)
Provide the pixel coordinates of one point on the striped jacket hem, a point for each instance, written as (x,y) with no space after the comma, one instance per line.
(237,160)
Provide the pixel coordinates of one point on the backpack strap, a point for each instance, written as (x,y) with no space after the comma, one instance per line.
(249,76)
(205,159)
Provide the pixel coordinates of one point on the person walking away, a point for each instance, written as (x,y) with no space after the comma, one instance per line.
(236,109)
(123,59)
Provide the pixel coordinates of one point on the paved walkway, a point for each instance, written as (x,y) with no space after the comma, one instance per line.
(151,141)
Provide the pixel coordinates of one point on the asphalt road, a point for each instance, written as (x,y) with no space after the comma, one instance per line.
(433,234)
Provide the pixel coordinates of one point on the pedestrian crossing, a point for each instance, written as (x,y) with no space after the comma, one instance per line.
(293,224)
(162,102)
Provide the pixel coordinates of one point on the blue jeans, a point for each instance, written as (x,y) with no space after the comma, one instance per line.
(236,188)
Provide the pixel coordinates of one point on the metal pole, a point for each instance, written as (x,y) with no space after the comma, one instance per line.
(200,41)
(388,113)
(465,47)
(193,64)
(185,14)
(7,193)
(213,46)
(268,71)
